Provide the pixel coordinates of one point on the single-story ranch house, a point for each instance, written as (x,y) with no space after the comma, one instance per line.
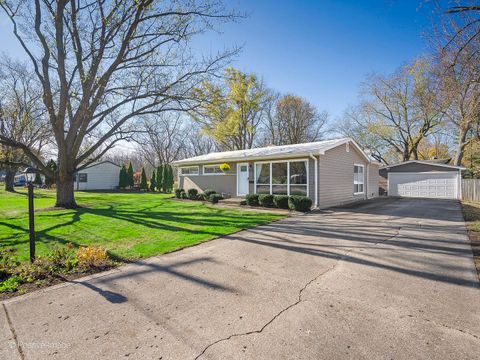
(331,172)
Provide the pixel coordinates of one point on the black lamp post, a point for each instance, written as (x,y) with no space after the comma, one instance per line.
(30,174)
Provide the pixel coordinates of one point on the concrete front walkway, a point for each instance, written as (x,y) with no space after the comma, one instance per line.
(393,279)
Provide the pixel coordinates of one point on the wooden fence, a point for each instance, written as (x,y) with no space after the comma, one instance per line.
(471,189)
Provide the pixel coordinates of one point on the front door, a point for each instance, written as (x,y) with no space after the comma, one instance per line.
(242,179)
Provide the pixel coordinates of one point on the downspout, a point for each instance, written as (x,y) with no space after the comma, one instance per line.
(367,192)
(316,179)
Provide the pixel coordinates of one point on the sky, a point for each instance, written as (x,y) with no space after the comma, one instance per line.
(320,50)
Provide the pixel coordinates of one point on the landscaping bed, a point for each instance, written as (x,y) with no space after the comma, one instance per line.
(471,214)
(293,202)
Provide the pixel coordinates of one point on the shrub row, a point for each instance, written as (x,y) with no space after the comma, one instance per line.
(192,194)
(294,202)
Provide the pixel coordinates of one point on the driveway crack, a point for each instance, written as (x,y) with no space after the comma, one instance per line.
(298,301)
(14,334)
(396,234)
(451,328)
(277,315)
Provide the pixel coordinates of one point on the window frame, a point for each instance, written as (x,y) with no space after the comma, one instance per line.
(80,175)
(212,174)
(189,167)
(270,162)
(356,182)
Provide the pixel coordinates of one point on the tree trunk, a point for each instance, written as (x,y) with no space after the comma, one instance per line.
(65,186)
(462,142)
(10,179)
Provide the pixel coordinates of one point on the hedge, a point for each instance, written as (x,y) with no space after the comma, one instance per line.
(209,192)
(214,198)
(252,199)
(280,201)
(265,200)
(192,194)
(178,192)
(299,203)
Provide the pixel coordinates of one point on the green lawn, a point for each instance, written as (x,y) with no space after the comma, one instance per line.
(128,225)
(471,214)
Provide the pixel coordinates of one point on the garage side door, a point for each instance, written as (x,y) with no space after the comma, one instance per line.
(440,185)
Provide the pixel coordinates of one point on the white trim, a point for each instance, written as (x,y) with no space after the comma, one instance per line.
(191,166)
(253,154)
(288,161)
(363,179)
(367,178)
(248,177)
(316,179)
(423,163)
(212,174)
(459,185)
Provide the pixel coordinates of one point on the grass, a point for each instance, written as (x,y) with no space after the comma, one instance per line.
(129,225)
(471,214)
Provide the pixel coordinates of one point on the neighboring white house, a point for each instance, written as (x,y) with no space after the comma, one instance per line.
(100,176)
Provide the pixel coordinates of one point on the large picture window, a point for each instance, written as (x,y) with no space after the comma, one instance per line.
(282,178)
(358,179)
(189,170)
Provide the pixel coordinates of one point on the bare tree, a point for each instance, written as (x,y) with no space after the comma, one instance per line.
(162,138)
(197,143)
(290,119)
(456,41)
(400,110)
(22,118)
(102,64)
(462,27)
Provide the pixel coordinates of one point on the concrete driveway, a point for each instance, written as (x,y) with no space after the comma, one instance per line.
(393,279)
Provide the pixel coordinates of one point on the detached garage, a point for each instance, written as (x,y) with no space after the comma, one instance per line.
(424,179)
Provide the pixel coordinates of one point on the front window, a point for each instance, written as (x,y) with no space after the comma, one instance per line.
(262,178)
(82,177)
(358,176)
(212,170)
(282,178)
(190,170)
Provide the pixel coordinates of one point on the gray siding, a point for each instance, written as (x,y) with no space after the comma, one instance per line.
(336,176)
(226,183)
(373,181)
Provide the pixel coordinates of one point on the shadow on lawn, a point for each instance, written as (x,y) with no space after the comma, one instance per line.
(151,217)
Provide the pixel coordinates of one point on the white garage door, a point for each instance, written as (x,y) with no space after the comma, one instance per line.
(442,185)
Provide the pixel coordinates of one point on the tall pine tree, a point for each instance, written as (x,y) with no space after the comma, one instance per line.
(130,180)
(160,177)
(165,178)
(168,178)
(122,182)
(143,180)
(153,182)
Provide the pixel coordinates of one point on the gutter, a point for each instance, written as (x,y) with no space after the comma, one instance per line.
(316,179)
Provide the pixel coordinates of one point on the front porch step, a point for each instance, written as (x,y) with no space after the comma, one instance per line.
(235,201)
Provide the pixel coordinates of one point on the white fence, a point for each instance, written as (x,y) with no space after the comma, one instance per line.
(471,189)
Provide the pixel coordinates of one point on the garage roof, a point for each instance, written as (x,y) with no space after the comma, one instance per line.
(271,152)
(425,162)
